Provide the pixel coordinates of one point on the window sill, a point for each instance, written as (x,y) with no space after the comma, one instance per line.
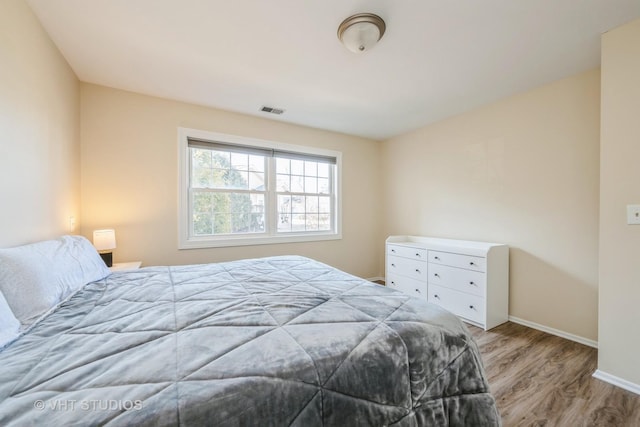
(254,240)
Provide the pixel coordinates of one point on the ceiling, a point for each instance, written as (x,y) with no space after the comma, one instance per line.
(437,58)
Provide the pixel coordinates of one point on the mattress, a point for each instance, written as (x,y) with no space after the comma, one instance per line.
(274,341)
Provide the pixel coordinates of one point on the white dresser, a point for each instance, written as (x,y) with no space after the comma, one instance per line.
(470,279)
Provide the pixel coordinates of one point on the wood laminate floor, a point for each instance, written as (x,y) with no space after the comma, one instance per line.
(539,379)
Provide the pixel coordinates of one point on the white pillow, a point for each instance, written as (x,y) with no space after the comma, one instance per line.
(9,325)
(36,277)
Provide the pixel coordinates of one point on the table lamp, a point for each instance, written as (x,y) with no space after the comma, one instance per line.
(105,242)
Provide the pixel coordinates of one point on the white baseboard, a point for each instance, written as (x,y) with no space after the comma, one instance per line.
(617,381)
(373,279)
(556,332)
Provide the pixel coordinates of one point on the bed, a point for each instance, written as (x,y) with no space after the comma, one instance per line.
(274,341)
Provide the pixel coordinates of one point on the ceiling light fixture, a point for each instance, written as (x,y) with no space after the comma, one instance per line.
(361,32)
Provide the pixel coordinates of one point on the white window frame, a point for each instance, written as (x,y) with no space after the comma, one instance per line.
(187,241)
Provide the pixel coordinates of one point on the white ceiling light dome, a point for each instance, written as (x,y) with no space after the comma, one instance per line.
(361,32)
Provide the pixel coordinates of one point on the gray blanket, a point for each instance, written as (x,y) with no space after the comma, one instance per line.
(269,342)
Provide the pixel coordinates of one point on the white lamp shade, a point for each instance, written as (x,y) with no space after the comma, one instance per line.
(360,37)
(361,32)
(104,240)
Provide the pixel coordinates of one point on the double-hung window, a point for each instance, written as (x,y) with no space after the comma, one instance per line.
(240,191)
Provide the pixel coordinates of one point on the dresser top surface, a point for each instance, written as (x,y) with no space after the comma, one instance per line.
(441,244)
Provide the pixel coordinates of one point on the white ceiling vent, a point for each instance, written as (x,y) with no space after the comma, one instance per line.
(272,110)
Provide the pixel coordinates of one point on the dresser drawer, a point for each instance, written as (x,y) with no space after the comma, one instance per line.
(459,279)
(456,260)
(407,285)
(407,252)
(470,307)
(407,267)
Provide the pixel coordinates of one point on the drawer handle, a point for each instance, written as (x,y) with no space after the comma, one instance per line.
(472,307)
(418,255)
(418,290)
(472,283)
(472,263)
(436,274)
(393,283)
(436,296)
(393,265)
(393,250)
(436,257)
(417,271)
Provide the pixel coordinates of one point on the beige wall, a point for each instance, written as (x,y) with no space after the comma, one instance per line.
(39,131)
(522,171)
(130,178)
(620,186)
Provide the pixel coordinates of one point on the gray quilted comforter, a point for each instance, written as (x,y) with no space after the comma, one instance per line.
(269,342)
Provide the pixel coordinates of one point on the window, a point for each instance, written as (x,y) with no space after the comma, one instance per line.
(239,191)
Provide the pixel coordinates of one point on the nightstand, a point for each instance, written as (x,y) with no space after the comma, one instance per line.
(124,266)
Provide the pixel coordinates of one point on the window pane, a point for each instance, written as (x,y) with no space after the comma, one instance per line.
(201,202)
(257,219)
(221,159)
(323,170)
(257,203)
(283,183)
(283,166)
(240,222)
(298,204)
(257,223)
(237,180)
(220,203)
(202,215)
(284,226)
(323,185)
(256,163)
(284,213)
(298,222)
(256,181)
(324,222)
(312,222)
(311,168)
(221,223)
(244,209)
(202,178)
(240,161)
(310,184)
(202,224)
(297,167)
(297,184)
(201,158)
(218,178)
(311,204)
(324,204)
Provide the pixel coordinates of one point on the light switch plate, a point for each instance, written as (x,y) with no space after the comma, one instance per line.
(633,214)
